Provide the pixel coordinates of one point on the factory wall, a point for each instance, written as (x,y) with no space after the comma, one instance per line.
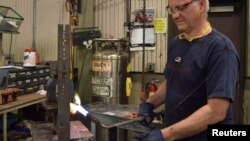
(24,38)
(159,55)
(38,29)
(110,16)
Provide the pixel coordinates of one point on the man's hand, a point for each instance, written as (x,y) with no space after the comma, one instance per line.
(147,111)
(155,135)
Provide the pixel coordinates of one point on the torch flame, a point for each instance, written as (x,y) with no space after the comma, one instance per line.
(77,99)
(72,108)
(76,107)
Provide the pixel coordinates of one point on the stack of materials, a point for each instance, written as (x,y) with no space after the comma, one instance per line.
(9,95)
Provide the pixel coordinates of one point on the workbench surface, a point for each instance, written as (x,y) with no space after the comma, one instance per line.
(22,101)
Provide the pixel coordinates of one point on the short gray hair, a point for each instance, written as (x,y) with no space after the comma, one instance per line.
(207,6)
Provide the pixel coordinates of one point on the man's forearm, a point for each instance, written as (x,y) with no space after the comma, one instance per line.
(158,98)
(211,113)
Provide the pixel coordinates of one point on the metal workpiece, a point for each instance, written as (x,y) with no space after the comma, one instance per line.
(64,45)
(117,115)
(98,119)
(118,124)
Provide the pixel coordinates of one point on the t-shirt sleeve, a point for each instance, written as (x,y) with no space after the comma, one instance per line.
(222,74)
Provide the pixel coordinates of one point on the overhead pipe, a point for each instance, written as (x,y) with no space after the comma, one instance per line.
(34,25)
(142,94)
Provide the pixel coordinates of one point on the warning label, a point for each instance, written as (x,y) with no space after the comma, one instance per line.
(102,66)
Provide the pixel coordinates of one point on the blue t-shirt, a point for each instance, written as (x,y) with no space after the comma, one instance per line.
(203,68)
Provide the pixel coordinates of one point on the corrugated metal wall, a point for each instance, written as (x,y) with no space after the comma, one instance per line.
(110,16)
(48,14)
(24,38)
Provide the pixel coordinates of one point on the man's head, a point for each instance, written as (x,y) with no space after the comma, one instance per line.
(188,14)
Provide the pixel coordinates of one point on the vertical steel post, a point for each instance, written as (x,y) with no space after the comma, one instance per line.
(63,117)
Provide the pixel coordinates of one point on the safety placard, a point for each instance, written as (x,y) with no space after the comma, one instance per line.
(102,81)
(102,66)
(101,90)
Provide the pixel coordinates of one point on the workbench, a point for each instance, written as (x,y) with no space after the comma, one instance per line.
(22,101)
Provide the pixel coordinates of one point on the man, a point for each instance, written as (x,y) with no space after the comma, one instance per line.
(200,77)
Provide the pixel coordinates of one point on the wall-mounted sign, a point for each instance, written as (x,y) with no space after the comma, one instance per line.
(160,25)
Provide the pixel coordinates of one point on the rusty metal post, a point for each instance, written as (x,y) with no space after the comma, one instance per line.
(63,117)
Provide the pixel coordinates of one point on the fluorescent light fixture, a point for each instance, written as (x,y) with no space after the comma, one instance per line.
(229,8)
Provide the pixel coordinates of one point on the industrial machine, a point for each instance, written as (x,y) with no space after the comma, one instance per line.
(81,36)
(109,72)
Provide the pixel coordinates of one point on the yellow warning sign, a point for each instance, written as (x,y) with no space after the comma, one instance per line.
(160,25)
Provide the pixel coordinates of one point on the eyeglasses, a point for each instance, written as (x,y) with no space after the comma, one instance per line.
(179,8)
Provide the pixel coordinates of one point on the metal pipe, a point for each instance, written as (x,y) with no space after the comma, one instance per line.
(97,121)
(5,126)
(34,25)
(140,118)
(143,49)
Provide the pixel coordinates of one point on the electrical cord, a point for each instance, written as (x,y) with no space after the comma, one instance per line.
(143,44)
(9,58)
(81,71)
